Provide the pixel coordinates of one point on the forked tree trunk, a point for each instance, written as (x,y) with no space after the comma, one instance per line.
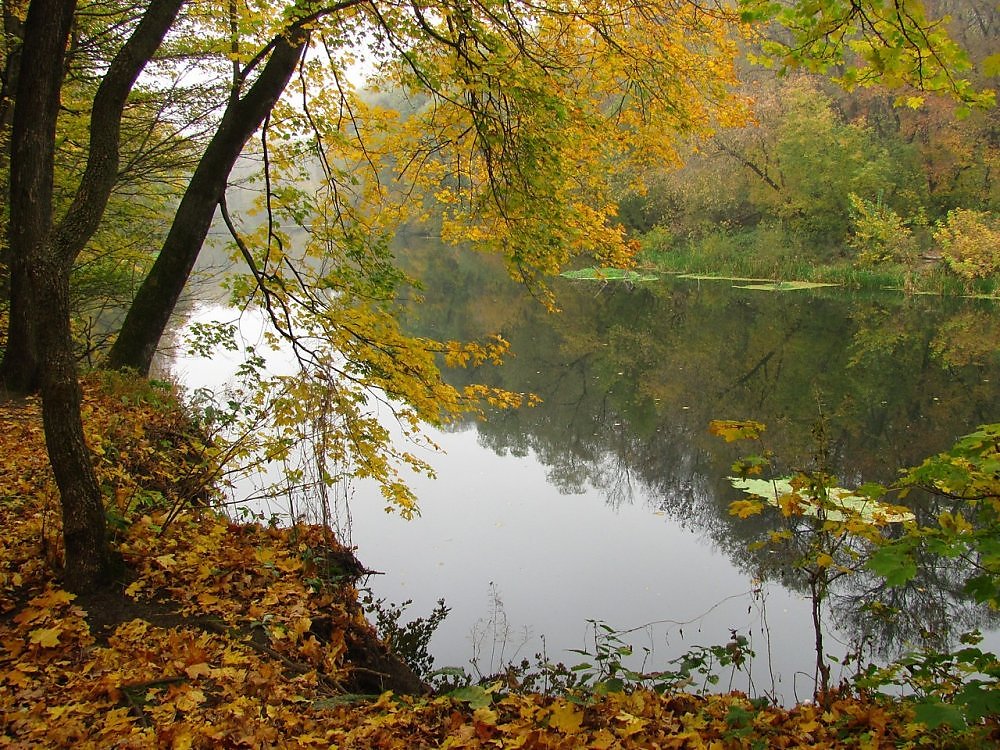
(42,256)
(43,278)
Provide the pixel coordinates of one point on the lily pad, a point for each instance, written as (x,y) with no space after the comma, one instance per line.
(708,277)
(784,286)
(842,503)
(608,274)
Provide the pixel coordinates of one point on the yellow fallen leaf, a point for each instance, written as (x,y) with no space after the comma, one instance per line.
(566,718)
(289,564)
(200,669)
(45,637)
(53,598)
(603,739)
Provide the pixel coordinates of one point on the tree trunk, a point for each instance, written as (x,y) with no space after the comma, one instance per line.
(43,277)
(154,303)
(10,65)
(32,150)
(19,371)
(89,562)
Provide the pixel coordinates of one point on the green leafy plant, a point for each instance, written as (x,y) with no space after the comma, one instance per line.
(957,689)
(880,235)
(839,532)
(410,641)
(606,670)
(968,477)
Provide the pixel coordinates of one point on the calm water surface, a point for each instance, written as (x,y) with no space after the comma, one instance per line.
(609,500)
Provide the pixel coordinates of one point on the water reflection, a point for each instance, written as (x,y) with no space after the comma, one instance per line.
(630,377)
(609,499)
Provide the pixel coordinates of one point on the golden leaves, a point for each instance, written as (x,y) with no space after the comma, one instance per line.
(566,717)
(745,508)
(731,430)
(45,637)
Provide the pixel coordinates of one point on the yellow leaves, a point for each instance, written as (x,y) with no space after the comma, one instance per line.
(473,354)
(45,637)
(53,598)
(912,102)
(566,717)
(732,430)
(745,508)
(602,740)
(166,561)
(790,504)
(201,669)
(955,523)
(824,560)
(188,699)
(628,724)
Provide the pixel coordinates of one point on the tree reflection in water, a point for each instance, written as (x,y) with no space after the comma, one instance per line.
(630,376)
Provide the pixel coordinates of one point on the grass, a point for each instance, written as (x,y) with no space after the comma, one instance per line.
(766,255)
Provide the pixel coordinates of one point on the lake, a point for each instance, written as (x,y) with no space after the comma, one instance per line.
(609,500)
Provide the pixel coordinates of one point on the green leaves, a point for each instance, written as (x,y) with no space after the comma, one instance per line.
(872,41)
(934,713)
(894,563)
(475,695)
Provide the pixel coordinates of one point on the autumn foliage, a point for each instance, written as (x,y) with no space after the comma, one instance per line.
(226,635)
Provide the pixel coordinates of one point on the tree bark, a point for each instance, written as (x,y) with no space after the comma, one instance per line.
(32,153)
(19,371)
(154,303)
(10,65)
(89,561)
(43,257)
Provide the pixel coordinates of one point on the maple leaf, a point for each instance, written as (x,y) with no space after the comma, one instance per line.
(745,508)
(200,669)
(566,718)
(731,430)
(46,637)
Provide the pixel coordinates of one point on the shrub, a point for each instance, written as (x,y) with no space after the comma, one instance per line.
(880,235)
(970,243)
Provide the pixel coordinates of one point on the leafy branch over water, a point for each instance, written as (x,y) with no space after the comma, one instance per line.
(830,533)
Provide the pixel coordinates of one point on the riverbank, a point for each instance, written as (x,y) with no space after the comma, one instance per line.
(755,255)
(225,634)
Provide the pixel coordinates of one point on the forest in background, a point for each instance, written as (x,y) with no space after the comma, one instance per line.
(836,181)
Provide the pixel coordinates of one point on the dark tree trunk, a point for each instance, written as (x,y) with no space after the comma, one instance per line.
(89,562)
(43,256)
(32,152)
(19,372)
(19,369)
(43,276)
(154,303)
(13,32)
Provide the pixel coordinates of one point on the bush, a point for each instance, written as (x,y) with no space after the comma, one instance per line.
(880,235)
(970,243)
